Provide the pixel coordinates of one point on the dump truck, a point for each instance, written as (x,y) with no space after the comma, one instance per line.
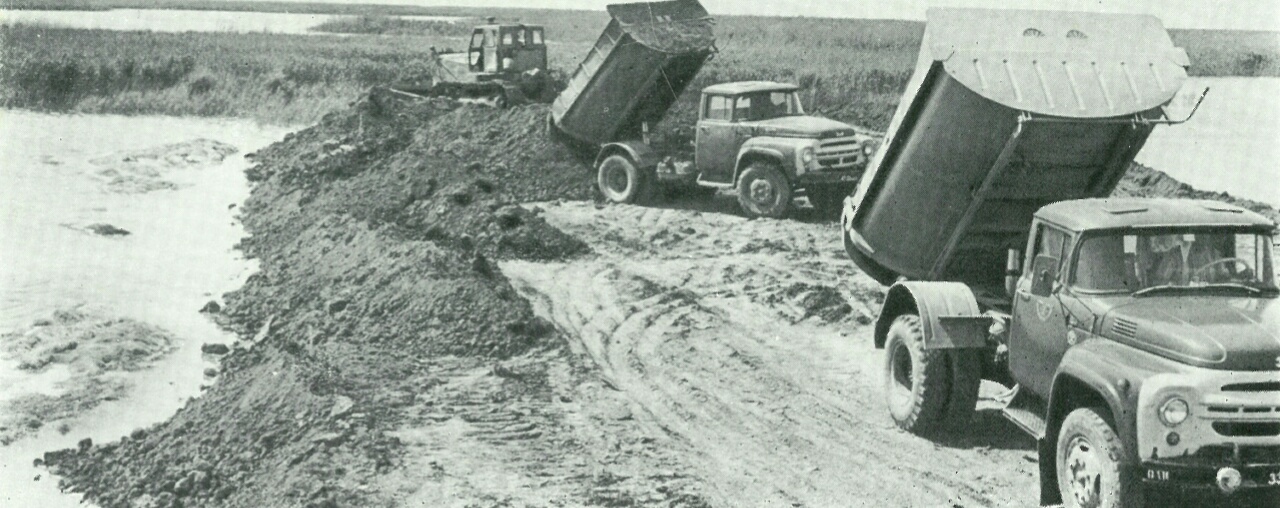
(504,64)
(753,137)
(1138,339)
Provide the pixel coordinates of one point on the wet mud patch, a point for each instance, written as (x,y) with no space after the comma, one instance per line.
(70,363)
(153,169)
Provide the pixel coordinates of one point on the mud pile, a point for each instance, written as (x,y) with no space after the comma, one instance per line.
(1143,181)
(378,307)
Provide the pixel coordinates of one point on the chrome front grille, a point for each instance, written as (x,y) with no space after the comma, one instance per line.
(1237,411)
(840,153)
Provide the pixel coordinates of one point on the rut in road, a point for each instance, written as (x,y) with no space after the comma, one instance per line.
(741,339)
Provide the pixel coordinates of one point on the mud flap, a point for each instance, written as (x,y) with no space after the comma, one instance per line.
(1046,450)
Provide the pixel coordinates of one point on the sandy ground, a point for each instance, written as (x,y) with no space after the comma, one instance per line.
(721,333)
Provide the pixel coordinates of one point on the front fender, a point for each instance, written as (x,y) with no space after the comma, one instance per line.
(1106,369)
(949,314)
(783,151)
(638,151)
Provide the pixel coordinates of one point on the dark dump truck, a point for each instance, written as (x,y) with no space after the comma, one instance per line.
(753,137)
(1138,339)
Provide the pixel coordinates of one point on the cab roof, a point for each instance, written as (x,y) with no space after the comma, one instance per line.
(741,87)
(498,26)
(1114,213)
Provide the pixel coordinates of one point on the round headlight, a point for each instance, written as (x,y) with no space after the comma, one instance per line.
(1174,411)
(868,149)
(807,155)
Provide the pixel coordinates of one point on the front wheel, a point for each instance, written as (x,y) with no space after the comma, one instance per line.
(620,181)
(1088,463)
(763,191)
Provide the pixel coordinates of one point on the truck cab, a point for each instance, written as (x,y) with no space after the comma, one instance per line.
(1162,317)
(762,125)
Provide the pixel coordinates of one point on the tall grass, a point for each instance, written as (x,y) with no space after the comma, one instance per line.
(275,78)
(851,70)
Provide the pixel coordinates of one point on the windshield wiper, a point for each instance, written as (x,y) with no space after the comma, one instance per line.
(1161,287)
(1220,285)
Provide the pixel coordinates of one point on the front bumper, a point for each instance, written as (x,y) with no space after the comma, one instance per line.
(1234,422)
(1200,473)
(829,177)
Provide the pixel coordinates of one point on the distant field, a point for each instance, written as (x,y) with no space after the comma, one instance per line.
(852,70)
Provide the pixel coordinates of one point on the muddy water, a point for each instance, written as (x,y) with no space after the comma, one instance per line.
(167,20)
(178,256)
(1230,144)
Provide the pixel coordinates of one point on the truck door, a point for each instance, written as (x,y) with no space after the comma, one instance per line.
(1038,335)
(717,150)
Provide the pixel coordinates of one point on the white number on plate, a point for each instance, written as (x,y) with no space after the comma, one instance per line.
(1275,479)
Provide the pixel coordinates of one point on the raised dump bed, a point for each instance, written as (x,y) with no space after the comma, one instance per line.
(642,62)
(1007,111)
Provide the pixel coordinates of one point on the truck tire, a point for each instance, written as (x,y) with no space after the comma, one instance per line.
(620,181)
(1088,463)
(763,191)
(916,383)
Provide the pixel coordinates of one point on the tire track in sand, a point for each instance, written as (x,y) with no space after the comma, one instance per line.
(689,315)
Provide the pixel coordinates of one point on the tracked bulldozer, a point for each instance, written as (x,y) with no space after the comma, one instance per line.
(503,65)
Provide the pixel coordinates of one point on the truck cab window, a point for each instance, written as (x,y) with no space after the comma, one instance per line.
(718,108)
(1049,242)
(1103,265)
(742,109)
(1136,261)
(535,37)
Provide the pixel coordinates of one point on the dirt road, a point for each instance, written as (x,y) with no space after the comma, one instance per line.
(747,342)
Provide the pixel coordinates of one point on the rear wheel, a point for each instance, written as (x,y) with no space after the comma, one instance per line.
(620,181)
(763,191)
(1088,463)
(915,379)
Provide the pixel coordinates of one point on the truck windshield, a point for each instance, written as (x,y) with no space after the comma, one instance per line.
(1142,262)
(766,105)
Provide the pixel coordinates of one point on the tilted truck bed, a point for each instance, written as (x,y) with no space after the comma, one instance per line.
(647,55)
(1007,111)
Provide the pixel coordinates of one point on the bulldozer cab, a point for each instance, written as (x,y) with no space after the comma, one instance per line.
(504,50)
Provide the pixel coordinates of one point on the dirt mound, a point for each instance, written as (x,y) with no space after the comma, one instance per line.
(1143,181)
(379,316)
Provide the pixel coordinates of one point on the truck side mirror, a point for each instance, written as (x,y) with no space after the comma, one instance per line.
(1012,270)
(1044,273)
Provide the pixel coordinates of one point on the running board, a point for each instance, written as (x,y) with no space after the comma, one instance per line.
(1026,411)
(713,185)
